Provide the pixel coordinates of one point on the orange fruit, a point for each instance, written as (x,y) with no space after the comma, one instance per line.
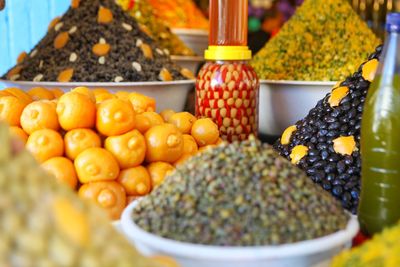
(146,120)
(183,121)
(205,148)
(78,140)
(164,143)
(75,111)
(63,170)
(122,95)
(108,195)
(85,91)
(39,115)
(189,145)
(142,103)
(96,164)
(18,93)
(165,261)
(18,134)
(57,92)
(136,181)
(100,91)
(11,109)
(166,114)
(101,97)
(115,117)
(40,93)
(45,144)
(129,149)
(182,159)
(205,132)
(158,171)
(4,93)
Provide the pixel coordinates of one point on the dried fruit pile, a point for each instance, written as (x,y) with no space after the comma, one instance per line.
(326,142)
(382,250)
(325,40)
(179,14)
(96,41)
(111,148)
(45,224)
(242,194)
(143,12)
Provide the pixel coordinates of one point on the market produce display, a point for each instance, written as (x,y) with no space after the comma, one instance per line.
(143,12)
(240,194)
(382,250)
(326,142)
(111,148)
(44,223)
(96,41)
(179,14)
(325,40)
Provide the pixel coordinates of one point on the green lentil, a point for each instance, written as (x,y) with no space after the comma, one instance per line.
(242,194)
(325,40)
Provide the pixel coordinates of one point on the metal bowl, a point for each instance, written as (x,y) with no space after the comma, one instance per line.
(197,40)
(283,103)
(168,95)
(316,253)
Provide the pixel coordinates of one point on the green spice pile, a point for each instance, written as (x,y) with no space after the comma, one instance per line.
(325,40)
(242,194)
(43,223)
(143,12)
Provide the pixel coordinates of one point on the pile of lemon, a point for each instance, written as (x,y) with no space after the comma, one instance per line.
(111,148)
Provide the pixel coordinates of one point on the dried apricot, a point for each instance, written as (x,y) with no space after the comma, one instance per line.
(75,3)
(165,75)
(53,23)
(65,76)
(104,15)
(147,52)
(21,57)
(61,40)
(101,49)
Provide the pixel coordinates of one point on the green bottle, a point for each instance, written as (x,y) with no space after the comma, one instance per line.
(380,140)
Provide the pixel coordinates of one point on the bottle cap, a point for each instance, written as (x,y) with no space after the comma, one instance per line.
(227,53)
(393,22)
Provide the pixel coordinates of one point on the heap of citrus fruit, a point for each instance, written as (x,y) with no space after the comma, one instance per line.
(111,148)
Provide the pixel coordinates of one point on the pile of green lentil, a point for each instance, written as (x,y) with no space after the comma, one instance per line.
(96,41)
(325,40)
(240,194)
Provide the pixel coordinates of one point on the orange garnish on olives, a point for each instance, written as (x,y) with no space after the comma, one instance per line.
(287,134)
(344,145)
(337,95)
(298,152)
(369,69)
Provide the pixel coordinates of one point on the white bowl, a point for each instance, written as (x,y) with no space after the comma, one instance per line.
(191,63)
(317,252)
(197,40)
(283,103)
(168,95)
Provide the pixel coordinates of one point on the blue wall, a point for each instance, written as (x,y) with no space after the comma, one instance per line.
(22,24)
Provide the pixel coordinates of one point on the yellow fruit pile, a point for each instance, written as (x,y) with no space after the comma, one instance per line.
(111,148)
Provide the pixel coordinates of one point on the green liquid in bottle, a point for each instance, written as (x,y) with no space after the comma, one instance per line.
(380,145)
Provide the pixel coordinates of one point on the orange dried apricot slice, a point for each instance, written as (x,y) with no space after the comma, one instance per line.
(61,40)
(53,23)
(344,145)
(65,76)
(147,52)
(187,74)
(21,57)
(298,152)
(165,75)
(14,71)
(75,3)
(101,49)
(104,15)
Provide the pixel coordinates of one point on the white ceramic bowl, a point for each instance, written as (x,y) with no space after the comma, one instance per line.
(189,62)
(317,252)
(283,103)
(168,95)
(197,40)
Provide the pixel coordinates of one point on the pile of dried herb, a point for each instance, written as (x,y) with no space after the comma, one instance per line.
(95,41)
(326,142)
(325,40)
(43,223)
(142,11)
(242,194)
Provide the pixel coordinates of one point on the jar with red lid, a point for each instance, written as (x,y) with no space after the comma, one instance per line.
(227,86)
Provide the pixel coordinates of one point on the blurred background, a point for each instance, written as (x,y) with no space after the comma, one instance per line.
(23,23)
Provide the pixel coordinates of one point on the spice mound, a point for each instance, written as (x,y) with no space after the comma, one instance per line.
(43,223)
(95,41)
(382,250)
(325,40)
(242,194)
(326,142)
(143,12)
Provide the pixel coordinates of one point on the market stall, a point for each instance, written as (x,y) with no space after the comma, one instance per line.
(103,164)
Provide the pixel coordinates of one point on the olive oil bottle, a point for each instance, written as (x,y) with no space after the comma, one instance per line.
(380,139)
